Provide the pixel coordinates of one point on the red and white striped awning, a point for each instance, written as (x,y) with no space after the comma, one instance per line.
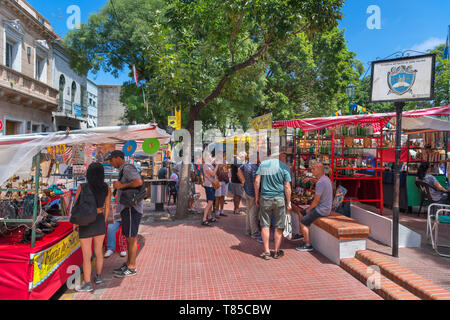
(378,120)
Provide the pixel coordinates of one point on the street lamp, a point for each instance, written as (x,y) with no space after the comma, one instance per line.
(350,91)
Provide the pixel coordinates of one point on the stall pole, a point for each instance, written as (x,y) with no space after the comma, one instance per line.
(398,149)
(36,197)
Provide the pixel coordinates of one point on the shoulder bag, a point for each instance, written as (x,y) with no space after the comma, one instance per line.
(84,211)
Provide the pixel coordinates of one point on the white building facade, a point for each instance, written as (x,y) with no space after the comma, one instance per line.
(92,103)
(27,97)
(72,110)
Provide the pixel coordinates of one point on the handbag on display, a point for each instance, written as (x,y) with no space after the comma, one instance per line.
(84,211)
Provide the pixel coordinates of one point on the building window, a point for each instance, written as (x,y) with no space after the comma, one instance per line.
(74,91)
(40,63)
(62,85)
(9,54)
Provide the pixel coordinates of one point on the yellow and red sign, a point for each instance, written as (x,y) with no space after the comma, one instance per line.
(48,261)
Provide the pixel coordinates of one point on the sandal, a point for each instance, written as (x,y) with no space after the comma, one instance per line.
(278,254)
(223,215)
(265,255)
(206,223)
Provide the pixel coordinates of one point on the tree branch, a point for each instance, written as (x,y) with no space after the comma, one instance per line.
(233,35)
(250,61)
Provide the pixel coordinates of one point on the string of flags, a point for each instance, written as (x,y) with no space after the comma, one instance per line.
(354,109)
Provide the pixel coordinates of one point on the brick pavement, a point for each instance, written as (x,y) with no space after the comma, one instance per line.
(188,261)
(424,261)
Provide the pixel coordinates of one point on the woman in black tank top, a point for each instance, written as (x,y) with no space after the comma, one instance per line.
(95,231)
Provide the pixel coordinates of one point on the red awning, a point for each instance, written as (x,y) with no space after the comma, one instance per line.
(378,120)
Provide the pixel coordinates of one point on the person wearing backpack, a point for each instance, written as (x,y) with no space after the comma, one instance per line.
(95,231)
(130,195)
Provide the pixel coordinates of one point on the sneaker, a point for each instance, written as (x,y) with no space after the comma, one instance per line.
(126,273)
(305,248)
(98,279)
(297,237)
(86,287)
(260,240)
(121,269)
(123,254)
(108,253)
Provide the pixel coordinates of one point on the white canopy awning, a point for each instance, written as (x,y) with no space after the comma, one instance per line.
(17,151)
(423,124)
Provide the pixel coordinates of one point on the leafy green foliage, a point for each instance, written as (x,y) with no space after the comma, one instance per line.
(308,77)
(208,56)
(441,89)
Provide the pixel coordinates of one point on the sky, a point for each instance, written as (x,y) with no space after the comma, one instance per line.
(389,26)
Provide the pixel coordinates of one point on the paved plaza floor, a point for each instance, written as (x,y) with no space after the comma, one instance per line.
(182,260)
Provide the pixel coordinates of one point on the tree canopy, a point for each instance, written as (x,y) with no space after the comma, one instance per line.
(212,57)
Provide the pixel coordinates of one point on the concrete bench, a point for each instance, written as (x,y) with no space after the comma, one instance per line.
(337,236)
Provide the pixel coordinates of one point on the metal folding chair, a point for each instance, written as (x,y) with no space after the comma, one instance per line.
(433,221)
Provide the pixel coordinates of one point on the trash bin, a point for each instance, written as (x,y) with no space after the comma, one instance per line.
(159,193)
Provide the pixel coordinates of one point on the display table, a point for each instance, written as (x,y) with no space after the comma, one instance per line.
(66,198)
(37,273)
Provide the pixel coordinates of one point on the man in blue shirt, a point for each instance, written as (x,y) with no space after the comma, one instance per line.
(247,175)
(274,198)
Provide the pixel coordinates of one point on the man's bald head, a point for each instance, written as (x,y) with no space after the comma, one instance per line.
(318,169)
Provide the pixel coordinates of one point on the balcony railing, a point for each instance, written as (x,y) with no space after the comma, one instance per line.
(27,89)
(72,109)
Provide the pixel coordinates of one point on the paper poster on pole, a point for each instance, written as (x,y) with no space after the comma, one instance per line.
(403,79)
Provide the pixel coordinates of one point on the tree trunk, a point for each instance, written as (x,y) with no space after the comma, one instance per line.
(183,194)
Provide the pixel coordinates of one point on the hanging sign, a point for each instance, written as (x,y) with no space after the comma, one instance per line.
(262,123)
(47,262)
(129,148)
(178,116)
(172,121)
(151,145)
(404,79)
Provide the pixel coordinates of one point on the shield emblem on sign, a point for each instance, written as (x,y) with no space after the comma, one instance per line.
(401,79)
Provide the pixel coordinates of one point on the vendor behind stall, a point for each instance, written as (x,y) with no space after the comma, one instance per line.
(440,195)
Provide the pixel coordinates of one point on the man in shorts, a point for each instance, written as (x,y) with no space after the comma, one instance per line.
(320,207)
(274,198)
(236,185)
(130,216)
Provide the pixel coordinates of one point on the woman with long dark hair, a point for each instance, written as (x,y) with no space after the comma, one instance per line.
(95,231)
(423,174)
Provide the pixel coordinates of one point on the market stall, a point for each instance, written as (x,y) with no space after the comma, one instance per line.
(350,147)
(37,243)
(427,140)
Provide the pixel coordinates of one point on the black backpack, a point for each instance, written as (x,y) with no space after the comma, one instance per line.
(132,196)
(84,211)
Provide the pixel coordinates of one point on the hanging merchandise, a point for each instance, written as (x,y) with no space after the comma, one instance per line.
(151,145)
(129,148)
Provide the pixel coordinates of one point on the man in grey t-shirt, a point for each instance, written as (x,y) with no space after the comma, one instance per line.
(320,207)
(129,178)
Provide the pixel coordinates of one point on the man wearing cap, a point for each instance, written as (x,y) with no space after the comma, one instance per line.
(129,178)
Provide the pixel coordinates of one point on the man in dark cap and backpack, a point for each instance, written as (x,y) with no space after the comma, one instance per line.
(131,215)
